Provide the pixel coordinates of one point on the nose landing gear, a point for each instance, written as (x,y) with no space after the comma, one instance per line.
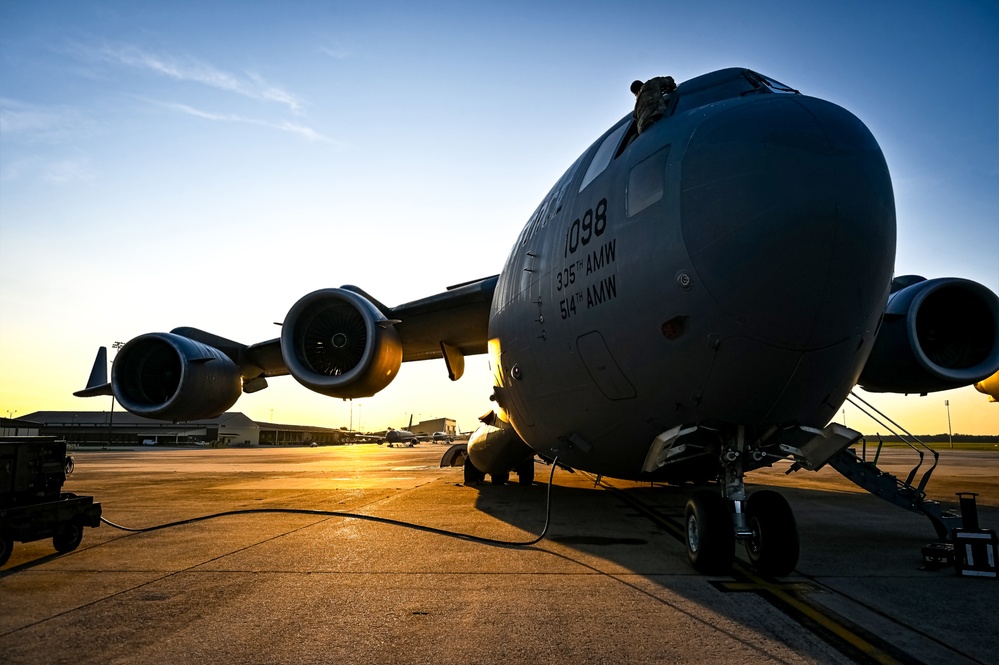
(765,523)
(771,537)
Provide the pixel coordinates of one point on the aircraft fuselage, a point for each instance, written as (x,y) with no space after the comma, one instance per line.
(399,436)
(727,268)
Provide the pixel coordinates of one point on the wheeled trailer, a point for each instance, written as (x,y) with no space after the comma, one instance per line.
(32,504)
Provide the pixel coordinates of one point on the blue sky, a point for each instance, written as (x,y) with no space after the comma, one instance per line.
(206,164)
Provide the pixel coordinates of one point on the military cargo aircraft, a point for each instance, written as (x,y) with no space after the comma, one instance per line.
(685,305)
(403,437)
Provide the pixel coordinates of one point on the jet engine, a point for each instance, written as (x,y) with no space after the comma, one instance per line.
(936,334)
(336,342)
(170,377)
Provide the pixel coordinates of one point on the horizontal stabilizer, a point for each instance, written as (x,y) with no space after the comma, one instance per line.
(96,391)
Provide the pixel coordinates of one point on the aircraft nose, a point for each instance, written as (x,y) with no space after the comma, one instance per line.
(788,217)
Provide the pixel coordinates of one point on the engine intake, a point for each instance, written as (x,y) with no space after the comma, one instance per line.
(170,377)
(339,344)
(936,334)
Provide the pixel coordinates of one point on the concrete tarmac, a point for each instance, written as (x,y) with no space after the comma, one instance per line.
(610,583)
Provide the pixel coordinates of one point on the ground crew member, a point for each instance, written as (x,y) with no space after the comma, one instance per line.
(651,98)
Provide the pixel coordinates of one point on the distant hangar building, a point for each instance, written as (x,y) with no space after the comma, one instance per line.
(429,427)
(102,428)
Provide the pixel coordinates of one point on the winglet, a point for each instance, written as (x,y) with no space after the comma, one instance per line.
(98,382)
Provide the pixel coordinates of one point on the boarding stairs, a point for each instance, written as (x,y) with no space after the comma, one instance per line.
(866,474)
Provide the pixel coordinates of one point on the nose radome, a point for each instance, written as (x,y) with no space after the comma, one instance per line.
(789,219)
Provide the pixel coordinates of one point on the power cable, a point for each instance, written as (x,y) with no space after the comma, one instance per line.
(370,518)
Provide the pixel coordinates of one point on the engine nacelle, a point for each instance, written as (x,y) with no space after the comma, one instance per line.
(170,377)
(990,387)
(497,450)
(936,334)
(339,344)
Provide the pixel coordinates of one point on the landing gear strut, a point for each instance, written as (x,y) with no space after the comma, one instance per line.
(764,523)
(525,471)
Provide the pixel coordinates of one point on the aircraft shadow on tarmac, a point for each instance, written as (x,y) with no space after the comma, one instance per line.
(846,539)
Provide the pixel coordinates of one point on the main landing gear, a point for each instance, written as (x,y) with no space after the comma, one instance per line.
(764,523)
(524,471)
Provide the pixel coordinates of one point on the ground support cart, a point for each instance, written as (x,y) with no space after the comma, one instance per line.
(32,504)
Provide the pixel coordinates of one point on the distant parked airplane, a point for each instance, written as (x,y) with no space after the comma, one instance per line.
(402,436)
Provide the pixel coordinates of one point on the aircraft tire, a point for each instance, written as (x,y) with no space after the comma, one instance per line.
(710,536)
(500,478)
(525,472)
(6,547)
(68,538)
(773,548)
(472,475)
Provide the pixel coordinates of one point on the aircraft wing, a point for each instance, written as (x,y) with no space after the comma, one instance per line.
(338,342)
(449,325)
(459,317)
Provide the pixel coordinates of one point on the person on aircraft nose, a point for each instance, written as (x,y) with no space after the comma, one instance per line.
(651,98)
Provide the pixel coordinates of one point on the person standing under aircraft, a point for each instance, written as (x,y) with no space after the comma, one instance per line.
(650,99)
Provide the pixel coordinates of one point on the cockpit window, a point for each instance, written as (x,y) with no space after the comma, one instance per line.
(604,154)
(733,87)
(771,84)
(725,84)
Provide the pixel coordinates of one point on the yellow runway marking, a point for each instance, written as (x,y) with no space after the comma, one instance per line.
(789,594)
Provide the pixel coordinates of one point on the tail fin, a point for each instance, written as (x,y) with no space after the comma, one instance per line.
(98,382)
(409,428)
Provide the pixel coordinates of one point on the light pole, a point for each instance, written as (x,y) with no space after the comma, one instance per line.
(10,416)
(950,434)
(115,346)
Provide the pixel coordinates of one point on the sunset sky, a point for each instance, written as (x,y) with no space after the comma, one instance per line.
(207,164)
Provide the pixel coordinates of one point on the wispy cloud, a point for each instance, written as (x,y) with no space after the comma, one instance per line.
(190,69)
(60,171)
(302,130)
(46,124)
(335,52)
(68,170)
(294,128)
